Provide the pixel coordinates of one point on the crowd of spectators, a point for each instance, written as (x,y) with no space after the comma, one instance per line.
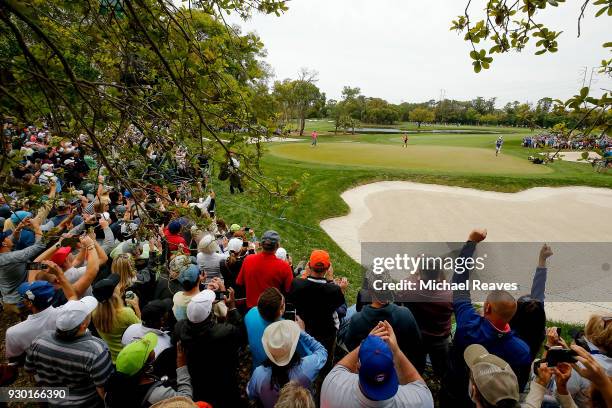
(556,141)
(127,320)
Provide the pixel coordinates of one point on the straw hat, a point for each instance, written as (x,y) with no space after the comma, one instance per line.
(280,340)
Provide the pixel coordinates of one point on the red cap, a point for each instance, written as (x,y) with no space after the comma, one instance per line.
(59,257)
(319,259)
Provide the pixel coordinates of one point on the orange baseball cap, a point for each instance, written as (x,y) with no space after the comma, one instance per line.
(59,257)
(319,259)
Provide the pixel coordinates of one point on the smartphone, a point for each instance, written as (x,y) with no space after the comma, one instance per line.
(35,266)
(245,244)
(560,355)
(247,229)
(219,295)
(71,242)
(290,313)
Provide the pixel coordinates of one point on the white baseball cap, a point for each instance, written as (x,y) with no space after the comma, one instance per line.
(281,253)
(234,244)
(74,312)
(200,306)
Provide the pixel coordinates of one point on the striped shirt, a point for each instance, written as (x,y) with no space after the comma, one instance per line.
(81,365)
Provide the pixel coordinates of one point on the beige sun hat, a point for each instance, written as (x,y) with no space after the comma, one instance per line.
(493,376)
(280,340)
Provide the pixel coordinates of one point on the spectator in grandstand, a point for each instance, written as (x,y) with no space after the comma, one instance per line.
(432,310)
(598,343)
(319,301)
(133,384)
(492,381)
(264,270)
(13,263)
(269,309)
(376,373)
(491,330)
(209,257)
(539,386)
(293,395)
(71,357)
(156,316)
(175,240)
(399,317)
(81,277)
(190,279)
(230,266)
(111,317)
(37,298)
(280,340)
(529,321)
(212,349)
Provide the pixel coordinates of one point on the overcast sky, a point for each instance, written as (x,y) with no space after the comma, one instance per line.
(402,50)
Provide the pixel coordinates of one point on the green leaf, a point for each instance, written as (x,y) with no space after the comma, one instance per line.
(483,53)
(601,11)
(584,92)
(540,52)
(485,65)
(607,45)
(474,55)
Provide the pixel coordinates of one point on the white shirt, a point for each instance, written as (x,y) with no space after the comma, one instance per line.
(209,263)
(20,336)
(74,274)
(137,331)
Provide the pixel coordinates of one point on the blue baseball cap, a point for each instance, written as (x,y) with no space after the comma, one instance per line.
(189,274)
(19,216)
(4,234)
(174,227)
(377,375)
(38,292)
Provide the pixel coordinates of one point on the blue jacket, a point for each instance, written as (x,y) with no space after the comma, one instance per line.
(472,328)
(255,326)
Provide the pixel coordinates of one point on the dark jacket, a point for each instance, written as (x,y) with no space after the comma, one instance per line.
(403,323)
(212,355)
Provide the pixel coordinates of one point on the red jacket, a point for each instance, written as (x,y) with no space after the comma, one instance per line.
(174,240)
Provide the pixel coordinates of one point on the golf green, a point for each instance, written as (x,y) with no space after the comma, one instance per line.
(448,159)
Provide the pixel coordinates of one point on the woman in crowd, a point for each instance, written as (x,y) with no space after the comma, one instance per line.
(209,256)
(112,317)
(598,336)
(280,340)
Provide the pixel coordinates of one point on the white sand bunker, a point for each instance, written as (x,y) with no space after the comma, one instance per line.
(397,211)
(275,139)
(577,156)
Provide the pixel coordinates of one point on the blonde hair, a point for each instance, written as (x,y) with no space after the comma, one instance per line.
(293,395)
(599,333)
(105,315)
(123,265)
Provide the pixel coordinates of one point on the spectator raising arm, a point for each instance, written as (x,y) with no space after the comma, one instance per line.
(462,301)
(56,271)
(406,372)
(91,271)
(539,279)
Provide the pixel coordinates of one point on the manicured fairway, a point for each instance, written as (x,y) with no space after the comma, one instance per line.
(446,159)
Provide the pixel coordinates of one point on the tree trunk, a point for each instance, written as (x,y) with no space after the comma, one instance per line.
(302,124)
